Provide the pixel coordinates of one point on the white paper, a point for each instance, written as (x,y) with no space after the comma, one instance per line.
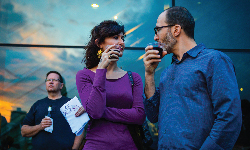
(76,123)
(50,128)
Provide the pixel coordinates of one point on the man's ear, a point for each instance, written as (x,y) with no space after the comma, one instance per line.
(177,30)
(62,84)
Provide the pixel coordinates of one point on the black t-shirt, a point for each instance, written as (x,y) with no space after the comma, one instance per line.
(62,137)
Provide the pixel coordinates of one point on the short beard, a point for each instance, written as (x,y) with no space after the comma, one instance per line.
(169,42)
(53,90)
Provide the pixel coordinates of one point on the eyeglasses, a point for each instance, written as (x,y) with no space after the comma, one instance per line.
(157,29)
(53,80)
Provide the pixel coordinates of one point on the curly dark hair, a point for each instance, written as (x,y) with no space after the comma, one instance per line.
(181,16)
(106,28)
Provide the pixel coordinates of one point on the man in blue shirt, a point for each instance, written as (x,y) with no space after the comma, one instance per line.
(197,104)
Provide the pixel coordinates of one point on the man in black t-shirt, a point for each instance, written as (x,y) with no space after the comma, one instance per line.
(35,121)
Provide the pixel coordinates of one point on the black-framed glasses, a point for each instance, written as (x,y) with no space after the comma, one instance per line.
(157,29)
(53,80)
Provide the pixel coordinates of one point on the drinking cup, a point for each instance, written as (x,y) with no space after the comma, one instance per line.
(157,46)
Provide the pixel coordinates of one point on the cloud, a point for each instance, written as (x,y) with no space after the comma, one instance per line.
(10,21)
(10,17)
(134,9)
(73,21)
(6,107)
(14,90)
(45,24)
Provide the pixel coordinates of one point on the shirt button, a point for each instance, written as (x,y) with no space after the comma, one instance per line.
(170,96)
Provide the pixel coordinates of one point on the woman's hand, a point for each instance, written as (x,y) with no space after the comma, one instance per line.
(107,57)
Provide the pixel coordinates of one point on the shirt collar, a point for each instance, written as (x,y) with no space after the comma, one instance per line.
(192,52)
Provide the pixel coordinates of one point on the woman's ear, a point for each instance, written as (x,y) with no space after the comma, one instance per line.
(97,43)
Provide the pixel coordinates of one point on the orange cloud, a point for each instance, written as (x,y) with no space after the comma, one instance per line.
(49,54)
(32,34)
(6,108)
(2,72)
(14,88)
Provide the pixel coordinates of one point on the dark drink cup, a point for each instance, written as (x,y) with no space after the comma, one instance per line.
(159,49)
(116,48)
(157,46)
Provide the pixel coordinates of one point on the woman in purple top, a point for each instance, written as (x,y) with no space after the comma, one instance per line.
(106,91)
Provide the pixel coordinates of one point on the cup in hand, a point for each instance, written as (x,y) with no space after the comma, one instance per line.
(116,48)
(157,46)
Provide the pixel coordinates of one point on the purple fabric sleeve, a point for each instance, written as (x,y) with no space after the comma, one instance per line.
(112,105)
(93,96)
(134,115)
(92,92)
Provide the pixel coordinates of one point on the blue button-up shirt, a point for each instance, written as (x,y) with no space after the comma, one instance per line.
(197,104)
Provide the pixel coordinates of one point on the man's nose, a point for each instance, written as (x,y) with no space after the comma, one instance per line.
(156,37)
(51,82)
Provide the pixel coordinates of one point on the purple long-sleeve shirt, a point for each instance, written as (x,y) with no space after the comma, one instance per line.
(111,104)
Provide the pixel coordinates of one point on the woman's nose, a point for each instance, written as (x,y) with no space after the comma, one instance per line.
(121,42)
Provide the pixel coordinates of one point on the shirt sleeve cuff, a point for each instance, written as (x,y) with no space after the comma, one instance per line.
(210,144)
(152,100)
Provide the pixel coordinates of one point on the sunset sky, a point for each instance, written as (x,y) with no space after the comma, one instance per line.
(63,22)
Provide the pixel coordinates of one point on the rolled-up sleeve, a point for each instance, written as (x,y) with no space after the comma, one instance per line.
(152,106)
